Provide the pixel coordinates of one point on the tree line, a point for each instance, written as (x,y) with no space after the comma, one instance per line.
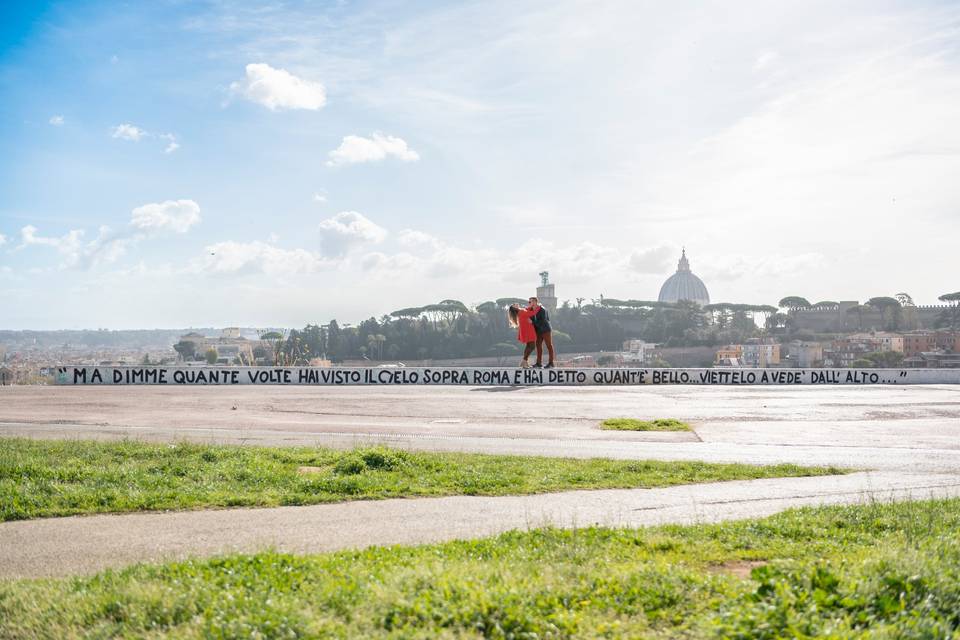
(450,329)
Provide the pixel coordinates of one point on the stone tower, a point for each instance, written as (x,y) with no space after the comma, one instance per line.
(545,292)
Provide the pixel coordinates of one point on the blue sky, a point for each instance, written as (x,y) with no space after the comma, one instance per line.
(169,164)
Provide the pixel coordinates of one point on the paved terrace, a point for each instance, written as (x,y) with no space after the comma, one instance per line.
(908,437)
(915,427)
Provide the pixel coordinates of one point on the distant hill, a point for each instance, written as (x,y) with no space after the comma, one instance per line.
(99,338)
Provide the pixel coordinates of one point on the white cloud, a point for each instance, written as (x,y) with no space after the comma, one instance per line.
(356,149)
(172,215)
(134,133)
(3,239)
(227,258)
(346,229)
(278,89)
(435,259)
(129,132)
(775,266)
(56,120)
(320,197)
(109,245)
(68,242)
(172,144)
(388,264)
(105,248)
(414,238)
(654,260)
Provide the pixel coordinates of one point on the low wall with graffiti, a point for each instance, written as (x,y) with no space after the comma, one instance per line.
(490,376)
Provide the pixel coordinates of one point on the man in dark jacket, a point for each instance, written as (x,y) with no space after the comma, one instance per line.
(541,324)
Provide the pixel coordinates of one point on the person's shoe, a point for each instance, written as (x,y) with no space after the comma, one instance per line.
(524,364)
(549,366)
(538,366)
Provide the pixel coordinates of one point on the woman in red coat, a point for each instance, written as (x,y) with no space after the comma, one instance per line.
(520,318)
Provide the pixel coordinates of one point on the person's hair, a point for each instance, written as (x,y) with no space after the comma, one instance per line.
(513,316)
(534,298)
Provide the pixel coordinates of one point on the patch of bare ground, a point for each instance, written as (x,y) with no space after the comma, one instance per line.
(738,568)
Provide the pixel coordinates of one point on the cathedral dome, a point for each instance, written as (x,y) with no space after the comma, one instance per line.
(683,285)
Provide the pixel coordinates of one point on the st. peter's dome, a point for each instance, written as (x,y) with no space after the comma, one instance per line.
(684,285)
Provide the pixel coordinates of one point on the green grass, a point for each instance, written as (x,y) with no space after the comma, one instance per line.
(41,478)
(875,570)
(631,424)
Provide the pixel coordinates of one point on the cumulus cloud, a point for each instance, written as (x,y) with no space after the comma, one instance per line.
(278,89)
(105,248)
(3,239)
(356,149)
(109,244)
(347,229)
(226,258)
(171,215)
(133,133)
(320,196)
(56,120)
(129,132)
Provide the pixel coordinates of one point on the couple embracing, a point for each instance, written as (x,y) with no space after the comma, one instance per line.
(533,330)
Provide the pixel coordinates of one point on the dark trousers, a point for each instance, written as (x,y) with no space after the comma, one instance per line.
(545,337)
(528,349)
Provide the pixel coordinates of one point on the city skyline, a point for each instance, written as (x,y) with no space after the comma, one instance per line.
(218,164)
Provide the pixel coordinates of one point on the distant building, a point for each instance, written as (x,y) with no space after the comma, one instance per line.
(230,347)
(806,355)
(728,362)
(545,292)
(636,352)
(684,285)
(760,355)
(728,354)
(849,315)
(844,351)
(933,360)
(917,342)
(752,354)
(889,341)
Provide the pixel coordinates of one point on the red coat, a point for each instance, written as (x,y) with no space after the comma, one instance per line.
(526,333)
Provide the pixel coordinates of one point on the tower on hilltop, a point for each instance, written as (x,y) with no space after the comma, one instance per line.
(545,292)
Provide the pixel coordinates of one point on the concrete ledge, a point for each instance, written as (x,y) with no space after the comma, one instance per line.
(491,376)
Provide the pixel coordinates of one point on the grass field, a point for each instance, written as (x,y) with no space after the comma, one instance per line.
(632,424)
(876,570)
(40,478)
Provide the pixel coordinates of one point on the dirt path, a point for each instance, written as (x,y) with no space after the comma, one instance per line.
(80,545)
